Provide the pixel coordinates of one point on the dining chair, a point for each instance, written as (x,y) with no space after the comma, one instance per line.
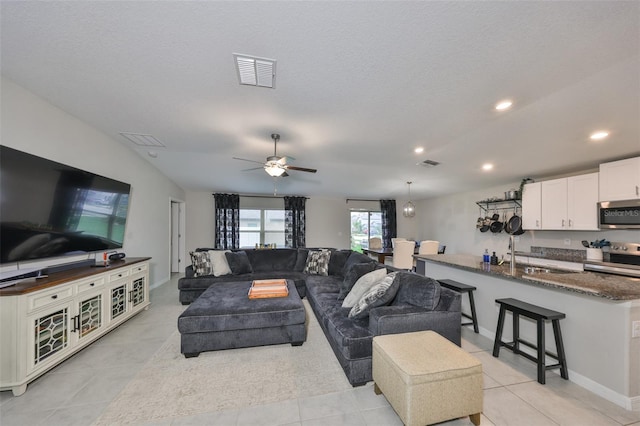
(403,254)
(429,247)
(393,241)
(375,243)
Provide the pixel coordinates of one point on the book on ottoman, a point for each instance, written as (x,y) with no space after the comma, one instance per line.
(262,289)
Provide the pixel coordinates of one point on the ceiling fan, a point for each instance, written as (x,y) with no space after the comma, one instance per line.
(277,166)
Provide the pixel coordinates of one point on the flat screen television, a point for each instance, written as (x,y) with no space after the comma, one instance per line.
(48,209)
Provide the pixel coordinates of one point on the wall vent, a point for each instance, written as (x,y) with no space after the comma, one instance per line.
(254,71)
(429,163)
(140,139)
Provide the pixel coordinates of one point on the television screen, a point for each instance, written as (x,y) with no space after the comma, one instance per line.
(49,209)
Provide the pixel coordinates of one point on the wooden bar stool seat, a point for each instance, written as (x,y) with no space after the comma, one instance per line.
(464,288)
(540,315)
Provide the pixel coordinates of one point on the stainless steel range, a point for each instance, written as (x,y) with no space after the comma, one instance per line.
(622,259)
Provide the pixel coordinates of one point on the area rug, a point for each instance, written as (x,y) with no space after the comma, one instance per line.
(170,385)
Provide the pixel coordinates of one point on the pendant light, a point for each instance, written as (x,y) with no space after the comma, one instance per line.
(409,209)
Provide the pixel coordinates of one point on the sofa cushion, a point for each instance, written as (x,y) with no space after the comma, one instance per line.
(263,260)
(337,261)
(239,262)
(354,258)
(380,294)
(201,263)
(318,262)
(417,290)
(301,259)
(361,286)
(352,276)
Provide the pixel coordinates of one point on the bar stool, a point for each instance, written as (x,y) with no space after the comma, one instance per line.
(540,315)
(464,288)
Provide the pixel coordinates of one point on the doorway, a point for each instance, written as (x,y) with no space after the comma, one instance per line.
(177,236)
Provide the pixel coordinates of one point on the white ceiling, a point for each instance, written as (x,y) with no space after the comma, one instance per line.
(358,86)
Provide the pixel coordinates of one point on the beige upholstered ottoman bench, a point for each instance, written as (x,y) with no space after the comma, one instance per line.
(426,378)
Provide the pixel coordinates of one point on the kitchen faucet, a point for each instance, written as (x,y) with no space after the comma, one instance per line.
(512,248)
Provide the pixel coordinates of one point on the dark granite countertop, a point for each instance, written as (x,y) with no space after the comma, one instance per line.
(608,286)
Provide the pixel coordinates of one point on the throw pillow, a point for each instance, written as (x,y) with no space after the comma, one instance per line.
(219,262)
(380,294)
(417,290)
(201,263)
(239,262)
(317,262)
(351,277)
(363,285)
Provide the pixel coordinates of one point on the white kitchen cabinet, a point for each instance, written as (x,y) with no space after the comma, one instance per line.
(554,204)
(620,180)
(46,321)
(565,204)
(570,203)
(532,206)
(582,202)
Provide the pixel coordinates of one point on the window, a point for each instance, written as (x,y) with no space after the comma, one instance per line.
(364,225)
(261,226)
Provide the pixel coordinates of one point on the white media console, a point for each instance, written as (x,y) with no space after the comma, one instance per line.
(44,321)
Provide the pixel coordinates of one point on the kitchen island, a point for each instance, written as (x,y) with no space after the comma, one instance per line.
(600,308)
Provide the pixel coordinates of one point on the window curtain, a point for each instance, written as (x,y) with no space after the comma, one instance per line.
(389,223)
(294,222)
(227,235)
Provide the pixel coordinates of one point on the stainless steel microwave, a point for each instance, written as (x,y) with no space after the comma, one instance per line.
(619,214)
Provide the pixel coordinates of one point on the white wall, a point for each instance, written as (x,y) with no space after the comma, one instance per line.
(29,123)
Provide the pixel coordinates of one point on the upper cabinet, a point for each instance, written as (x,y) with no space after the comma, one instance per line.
(532,206)
(620,180)
(561,204)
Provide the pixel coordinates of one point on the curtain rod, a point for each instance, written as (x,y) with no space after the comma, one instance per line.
(267,196)
(358,199)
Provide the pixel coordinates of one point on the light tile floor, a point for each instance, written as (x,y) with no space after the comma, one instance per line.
(77,391)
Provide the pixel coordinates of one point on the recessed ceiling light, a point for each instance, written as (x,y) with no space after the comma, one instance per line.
(487,166)
(599,135)
(419,150)
(502,105)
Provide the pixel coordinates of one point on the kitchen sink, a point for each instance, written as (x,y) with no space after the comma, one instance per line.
(531,270)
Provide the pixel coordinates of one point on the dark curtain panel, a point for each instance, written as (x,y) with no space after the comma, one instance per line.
(227,221)
(294,222)
(389,224)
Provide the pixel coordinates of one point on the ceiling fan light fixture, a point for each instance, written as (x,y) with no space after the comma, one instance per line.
(274,170)
(409,209)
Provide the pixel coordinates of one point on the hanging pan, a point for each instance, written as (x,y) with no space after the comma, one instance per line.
(514,226)
(496,226)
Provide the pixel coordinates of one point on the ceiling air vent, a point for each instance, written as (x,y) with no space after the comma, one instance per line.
(254,71)
(143,140)
(429,163)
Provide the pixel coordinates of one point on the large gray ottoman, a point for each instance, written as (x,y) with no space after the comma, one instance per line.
(224,317)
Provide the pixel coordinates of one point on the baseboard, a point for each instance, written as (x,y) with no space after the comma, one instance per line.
(159,282)
(628,403)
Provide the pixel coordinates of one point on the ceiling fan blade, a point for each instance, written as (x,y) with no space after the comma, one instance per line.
(253,168)
(300,169)
(251,161)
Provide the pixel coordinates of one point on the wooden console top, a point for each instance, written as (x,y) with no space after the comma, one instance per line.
(32,284)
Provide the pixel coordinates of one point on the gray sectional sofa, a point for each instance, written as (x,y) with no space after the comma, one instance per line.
(419,303)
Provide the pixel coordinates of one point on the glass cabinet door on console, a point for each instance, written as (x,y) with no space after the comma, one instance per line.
(49,335)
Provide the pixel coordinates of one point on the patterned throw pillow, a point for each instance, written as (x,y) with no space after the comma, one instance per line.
(362,286)
(201,263)
(317,262)
(380,294)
